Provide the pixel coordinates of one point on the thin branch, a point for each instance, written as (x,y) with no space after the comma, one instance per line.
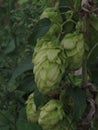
(90,110)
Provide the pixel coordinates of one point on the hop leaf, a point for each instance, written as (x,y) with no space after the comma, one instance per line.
(51,113)
(31,110)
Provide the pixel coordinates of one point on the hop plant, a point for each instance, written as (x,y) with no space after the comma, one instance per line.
(31,110)
(49,65)
(51,114)
(73,44)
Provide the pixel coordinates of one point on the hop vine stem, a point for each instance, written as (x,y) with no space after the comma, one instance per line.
(84,65)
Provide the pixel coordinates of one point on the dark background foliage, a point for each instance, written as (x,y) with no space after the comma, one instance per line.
(17,25)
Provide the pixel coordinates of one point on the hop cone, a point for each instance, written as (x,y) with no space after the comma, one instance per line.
(51,113)
(53,14)
(56,21)
(49,65)
(31,111)
(74,47)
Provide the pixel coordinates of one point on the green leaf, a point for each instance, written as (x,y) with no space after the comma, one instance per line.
(79,102)
(40,29)
(6,119)
(94,21)
(10,47)
(28,84)
(22,67)
(24,125)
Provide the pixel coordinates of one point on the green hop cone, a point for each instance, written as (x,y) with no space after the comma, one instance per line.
(50,114)
(56,20)
(53,14)
(73,44)
(31,110)
(49,65)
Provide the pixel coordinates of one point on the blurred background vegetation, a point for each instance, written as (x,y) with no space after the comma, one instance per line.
(17,21)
